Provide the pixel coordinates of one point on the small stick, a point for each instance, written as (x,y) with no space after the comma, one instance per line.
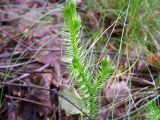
(28,74)
(31,101)
(16,65)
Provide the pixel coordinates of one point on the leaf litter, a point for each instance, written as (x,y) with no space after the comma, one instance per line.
(30,32)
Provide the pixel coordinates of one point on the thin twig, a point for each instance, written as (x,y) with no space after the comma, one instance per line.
(28,74)
(16,65)
(31,101)
(94,51)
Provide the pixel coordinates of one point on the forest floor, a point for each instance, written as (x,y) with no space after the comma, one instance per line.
(34,82)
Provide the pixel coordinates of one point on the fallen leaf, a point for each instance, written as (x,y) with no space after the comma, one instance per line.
(72,95)
(50,58)
(116,92)
(154,60)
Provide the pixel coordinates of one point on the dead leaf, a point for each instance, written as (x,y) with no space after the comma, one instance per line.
(154,60)
(72,95)
(50,58)
(116,92)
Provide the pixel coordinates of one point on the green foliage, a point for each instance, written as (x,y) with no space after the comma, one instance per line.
(89,84)
(105,69)
(153,110)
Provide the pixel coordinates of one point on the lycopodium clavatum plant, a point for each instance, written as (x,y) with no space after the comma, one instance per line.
(89,84)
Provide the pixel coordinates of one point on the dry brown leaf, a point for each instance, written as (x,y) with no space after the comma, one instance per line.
(50,58)
(116,92)
(154,60)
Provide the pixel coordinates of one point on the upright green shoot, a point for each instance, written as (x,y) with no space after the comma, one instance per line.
(89,84)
